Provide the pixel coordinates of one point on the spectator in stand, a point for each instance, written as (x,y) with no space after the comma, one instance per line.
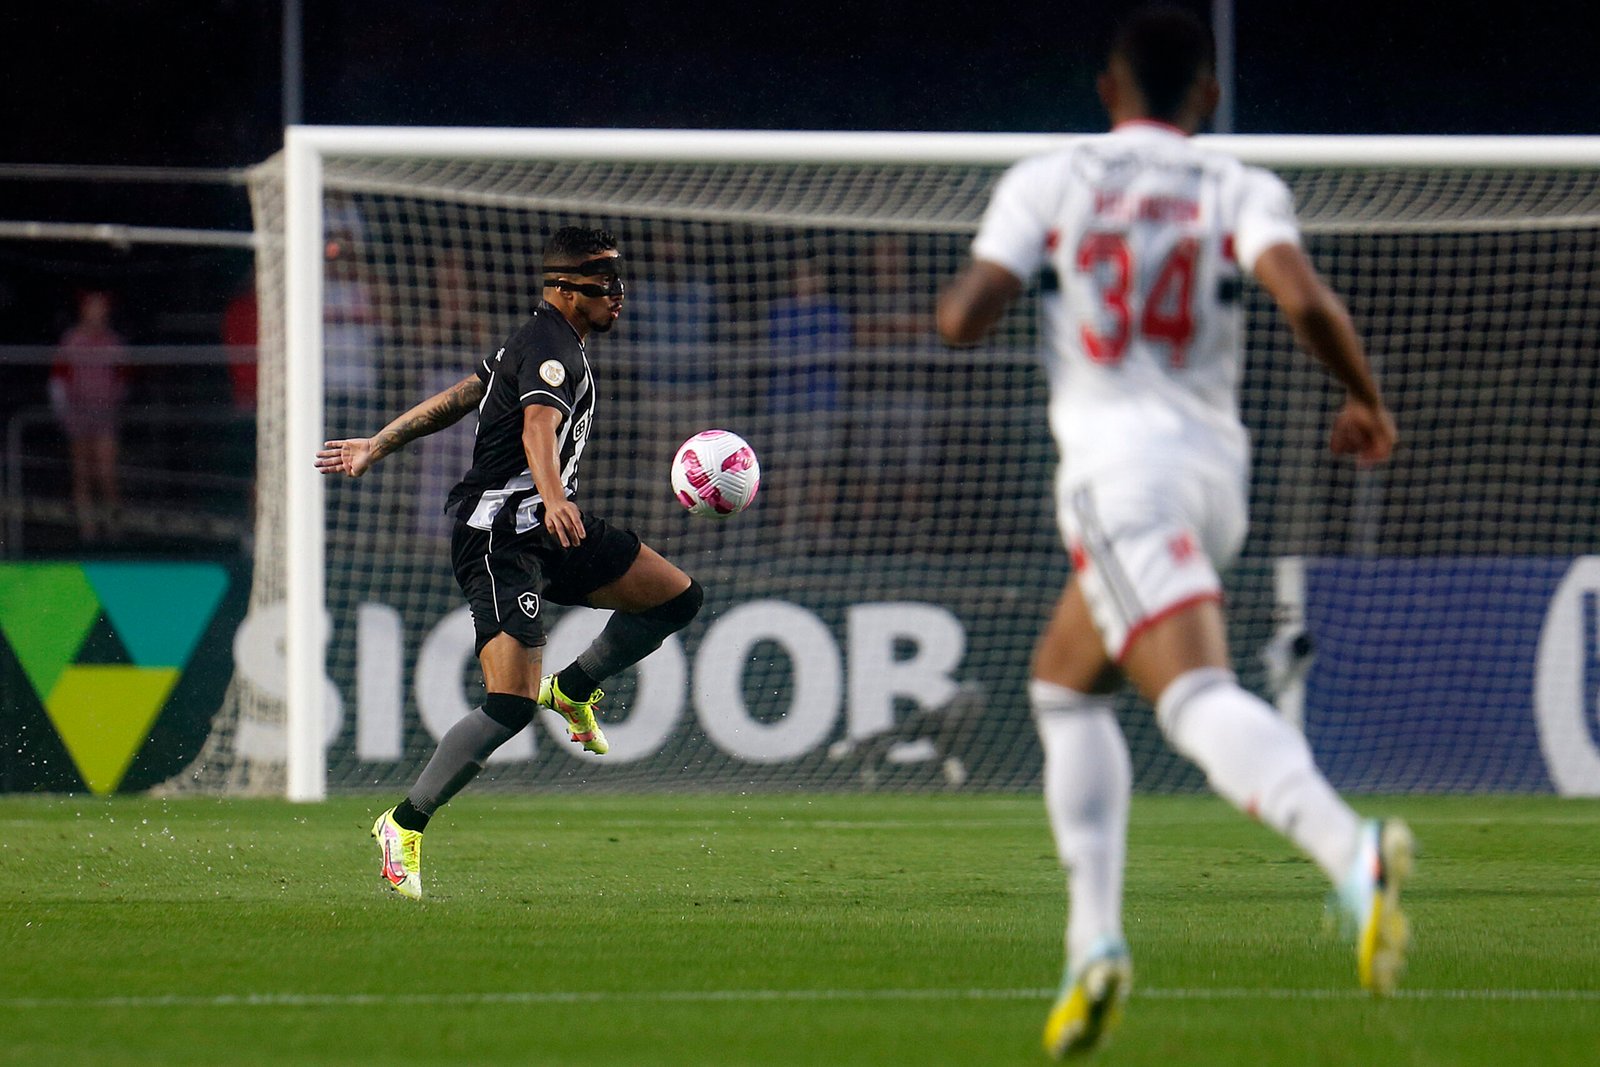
(88,383)
(667,358)
(807,332)
(240,331)
(241,334)
(894,310)
(453,328)
(891,410)
(453,321)
(350,315)
(672,319)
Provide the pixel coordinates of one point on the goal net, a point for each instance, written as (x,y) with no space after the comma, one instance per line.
(869,620)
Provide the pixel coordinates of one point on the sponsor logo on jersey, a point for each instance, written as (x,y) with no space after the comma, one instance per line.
(552,372)
(580,428)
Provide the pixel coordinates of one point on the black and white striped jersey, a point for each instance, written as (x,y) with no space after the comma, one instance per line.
(542,363)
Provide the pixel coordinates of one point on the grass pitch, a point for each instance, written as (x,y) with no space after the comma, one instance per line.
(765,930)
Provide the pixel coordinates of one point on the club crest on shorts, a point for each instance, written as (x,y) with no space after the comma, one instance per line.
(552,372)
(529,603)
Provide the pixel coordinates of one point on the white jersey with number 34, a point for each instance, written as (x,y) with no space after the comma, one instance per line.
(1148,234)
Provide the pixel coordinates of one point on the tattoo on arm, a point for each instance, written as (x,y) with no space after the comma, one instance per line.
(432,415)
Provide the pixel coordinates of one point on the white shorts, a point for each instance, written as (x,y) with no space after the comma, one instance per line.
(1147,543)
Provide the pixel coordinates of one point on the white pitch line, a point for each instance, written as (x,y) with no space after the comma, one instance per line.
(790,822)
(1577,995)
(341,1000)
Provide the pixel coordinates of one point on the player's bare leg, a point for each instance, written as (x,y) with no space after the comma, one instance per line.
(1263,766)
(1192,639)
(511,678)
(650,582)
(82,490)
(509,666)
(107,490)
(651,601)
(1088,787)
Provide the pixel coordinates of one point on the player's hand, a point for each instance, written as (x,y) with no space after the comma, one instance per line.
(563,519)
(1364,430)
(353,457)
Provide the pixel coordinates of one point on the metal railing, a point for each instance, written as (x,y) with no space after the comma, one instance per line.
(163,497)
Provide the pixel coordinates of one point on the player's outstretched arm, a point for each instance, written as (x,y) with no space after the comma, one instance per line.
(355,456)
(974,301)
(1363,427)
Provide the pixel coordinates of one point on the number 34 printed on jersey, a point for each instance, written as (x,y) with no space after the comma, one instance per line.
(1165,312)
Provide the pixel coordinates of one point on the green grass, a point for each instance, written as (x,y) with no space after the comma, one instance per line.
(761,930)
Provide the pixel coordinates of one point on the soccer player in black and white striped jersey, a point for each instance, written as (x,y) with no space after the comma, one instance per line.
(520,537)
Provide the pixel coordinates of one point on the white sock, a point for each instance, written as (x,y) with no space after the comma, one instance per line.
(1088,781)
(1258,763)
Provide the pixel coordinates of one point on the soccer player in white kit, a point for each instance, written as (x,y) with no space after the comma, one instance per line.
(1149,235)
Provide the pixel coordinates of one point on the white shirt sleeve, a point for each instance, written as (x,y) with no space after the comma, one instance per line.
(1017,222)
(1266,217)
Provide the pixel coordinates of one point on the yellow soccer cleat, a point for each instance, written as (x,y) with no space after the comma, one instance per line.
(402,855)
(1370,897)
(1090,1004)
(578,713)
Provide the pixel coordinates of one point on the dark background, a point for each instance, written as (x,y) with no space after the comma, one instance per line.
(198,83)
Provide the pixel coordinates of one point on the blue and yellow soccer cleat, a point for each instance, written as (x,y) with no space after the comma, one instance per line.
(402,855)
(1090,1004)
(1370,900)
(578,713)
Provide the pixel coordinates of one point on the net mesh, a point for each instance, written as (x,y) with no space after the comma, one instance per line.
(869,619)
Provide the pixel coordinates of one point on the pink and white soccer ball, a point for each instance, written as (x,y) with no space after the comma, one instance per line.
(715,473)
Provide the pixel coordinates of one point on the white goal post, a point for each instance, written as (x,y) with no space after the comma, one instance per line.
(303,239)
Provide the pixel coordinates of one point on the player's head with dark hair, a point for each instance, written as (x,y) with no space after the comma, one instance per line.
(571,246)
(583,277)
(1168,57)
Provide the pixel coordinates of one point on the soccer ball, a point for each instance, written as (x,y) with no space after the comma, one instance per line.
(715,473)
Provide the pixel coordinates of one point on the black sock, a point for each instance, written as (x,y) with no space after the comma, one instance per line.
(408,818)
(576,682)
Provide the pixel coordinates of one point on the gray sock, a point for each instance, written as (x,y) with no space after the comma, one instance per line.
(627,639)
(458,759)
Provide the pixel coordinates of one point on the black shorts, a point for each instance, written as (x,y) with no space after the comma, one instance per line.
(506,576)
